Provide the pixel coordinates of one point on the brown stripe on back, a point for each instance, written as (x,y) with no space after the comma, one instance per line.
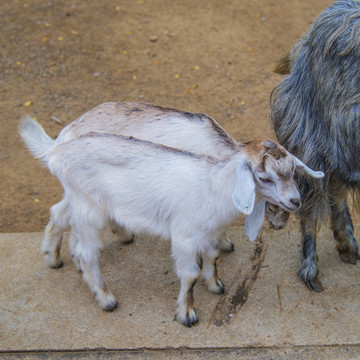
(133,110)
(225,138)
(164,148)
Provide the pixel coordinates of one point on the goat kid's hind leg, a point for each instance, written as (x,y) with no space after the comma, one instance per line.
(87,253)
(309,271)
(52,241)
(123,235)
(209,271)
(342,225)
(73,240)
(188,270)
(225,243)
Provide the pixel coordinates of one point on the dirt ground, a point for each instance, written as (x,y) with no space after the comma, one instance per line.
(60,58)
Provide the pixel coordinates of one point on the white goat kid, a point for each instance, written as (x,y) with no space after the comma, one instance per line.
(146,187)
(197,133)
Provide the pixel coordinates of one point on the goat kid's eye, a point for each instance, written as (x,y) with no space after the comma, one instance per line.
(265,180)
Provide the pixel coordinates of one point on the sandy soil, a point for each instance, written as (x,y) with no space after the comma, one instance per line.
(61,58)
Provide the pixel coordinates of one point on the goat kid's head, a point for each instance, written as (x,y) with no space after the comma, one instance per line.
(276,216)
(267,176)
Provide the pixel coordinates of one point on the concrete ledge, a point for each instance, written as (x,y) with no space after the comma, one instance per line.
(288,353)
(266,309)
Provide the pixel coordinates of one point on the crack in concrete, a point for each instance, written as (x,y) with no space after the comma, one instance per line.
(231,303)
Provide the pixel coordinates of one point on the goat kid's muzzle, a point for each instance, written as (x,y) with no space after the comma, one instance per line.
(293,205)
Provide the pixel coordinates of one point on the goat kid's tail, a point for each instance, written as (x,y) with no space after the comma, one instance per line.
(36,139)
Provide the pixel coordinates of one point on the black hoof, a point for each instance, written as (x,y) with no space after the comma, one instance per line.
(221,287)
(349,257)
(130,240)
(59,266)
(191,321)
(112,306)
(229,250)
(314,285)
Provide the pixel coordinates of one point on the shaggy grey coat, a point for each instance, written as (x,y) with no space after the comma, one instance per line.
(315,113)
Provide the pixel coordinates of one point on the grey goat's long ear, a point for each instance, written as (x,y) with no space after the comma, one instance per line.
(244,192)
(255,221)
(303,169)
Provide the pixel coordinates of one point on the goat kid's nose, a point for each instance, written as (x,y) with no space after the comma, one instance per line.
(296,201)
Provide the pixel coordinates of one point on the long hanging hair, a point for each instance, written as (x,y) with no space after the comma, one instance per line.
(315,111)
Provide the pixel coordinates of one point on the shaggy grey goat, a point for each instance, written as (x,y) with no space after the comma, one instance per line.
(315,113)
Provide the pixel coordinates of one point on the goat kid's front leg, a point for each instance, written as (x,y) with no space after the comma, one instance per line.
(86,253)
(188,270)
(309,271)
(225,243)
(342,225)
(209,271)
(52,241)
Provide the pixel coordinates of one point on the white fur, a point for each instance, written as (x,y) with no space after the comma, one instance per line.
(244,192)
(145,187)
(197,133)
(254,222)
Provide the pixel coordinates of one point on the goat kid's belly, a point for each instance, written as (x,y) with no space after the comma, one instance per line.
(194,230)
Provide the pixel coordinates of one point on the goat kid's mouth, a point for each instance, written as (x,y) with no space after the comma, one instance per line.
(274,226)
(291,208)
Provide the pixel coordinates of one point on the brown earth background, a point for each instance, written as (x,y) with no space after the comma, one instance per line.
(59,59)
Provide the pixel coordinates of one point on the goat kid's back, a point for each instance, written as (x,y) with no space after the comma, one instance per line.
(193,132)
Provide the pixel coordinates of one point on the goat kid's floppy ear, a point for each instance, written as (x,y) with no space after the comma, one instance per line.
(244,192)
(303,169)
(255,221)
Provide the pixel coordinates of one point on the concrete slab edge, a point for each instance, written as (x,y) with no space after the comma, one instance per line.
(328,352)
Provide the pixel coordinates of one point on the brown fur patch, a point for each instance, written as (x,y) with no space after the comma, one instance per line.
(266,151)
(264,147)
(57,250)
(190,296)
(274,150)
